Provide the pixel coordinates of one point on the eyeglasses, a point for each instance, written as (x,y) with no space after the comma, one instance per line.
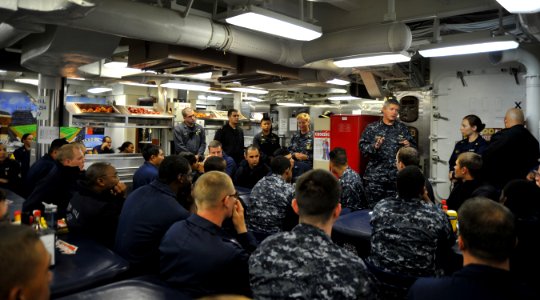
(235,195)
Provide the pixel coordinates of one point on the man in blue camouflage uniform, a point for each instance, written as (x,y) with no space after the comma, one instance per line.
(352,191)
(270,198)
(301,146)
(304,263)
(380,142)
(189,136)
(409,237)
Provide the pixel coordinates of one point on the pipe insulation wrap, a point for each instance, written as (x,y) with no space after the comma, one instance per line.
(390,37)
(532,78)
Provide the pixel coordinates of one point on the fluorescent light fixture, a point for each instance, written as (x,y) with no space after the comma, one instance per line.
(185,85)
(137,84)
(290,104)
(27,81)
(116,64)
(254,99)
(77,78)
(219,92)
(98,90)
(209,98)
(479,46)
(338,81)
(373,60)
(260,19)
(206,75)
(249,90)
(343,98)
(520,6)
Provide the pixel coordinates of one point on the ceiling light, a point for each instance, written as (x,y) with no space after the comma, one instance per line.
(249,90)
(343,98)
(219,92)
(290,104)
(186,85)
(338,81)
(27,81)
(254,99)
(373,60)
(206,75)
(479,46)
(116,64)
(260,19)
(520,6)
(209,98)
(137,84)
(99,89)
(77,78)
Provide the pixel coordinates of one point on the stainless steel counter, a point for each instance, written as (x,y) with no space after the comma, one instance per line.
(125,164)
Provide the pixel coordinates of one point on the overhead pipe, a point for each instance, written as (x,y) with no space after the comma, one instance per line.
(12,33)
(141,21)
(532,83)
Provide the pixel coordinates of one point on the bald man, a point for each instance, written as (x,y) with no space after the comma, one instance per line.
(512,152)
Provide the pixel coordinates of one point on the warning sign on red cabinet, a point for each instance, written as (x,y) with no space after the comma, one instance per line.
(321,147)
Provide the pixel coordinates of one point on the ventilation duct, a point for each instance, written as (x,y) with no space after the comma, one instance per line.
(61,51)
(144,22)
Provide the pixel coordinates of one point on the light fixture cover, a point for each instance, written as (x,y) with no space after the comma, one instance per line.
(478,46)
(520,6)
(343,98)
(337,81)
(249,90)
(373,60)
(260,19)
(27,81)
(209,98)
(99,89)
(186,85)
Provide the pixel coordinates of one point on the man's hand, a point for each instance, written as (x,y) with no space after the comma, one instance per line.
(405,143)
(378,141)
(300,156)
(238,218)
(119,189)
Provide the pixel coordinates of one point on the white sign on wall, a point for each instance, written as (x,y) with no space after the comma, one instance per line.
(42,108)
(47,134)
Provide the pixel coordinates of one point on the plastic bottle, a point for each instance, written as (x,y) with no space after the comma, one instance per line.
(36,225)
(452,216)
(17,217)
(50,214)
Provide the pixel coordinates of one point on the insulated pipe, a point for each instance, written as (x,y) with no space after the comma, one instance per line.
(532,80)
(389,37)
(145,22)
(12,33)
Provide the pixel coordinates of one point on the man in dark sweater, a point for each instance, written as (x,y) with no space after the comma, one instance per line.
(511,153)
(94,208)
(149,212)
(57,188)
(251,169)
(231,137)
(22,154)
(467,169)
(43,166)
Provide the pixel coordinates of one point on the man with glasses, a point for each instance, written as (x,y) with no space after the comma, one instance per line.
(189,136)
(95,207)
(197,256)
